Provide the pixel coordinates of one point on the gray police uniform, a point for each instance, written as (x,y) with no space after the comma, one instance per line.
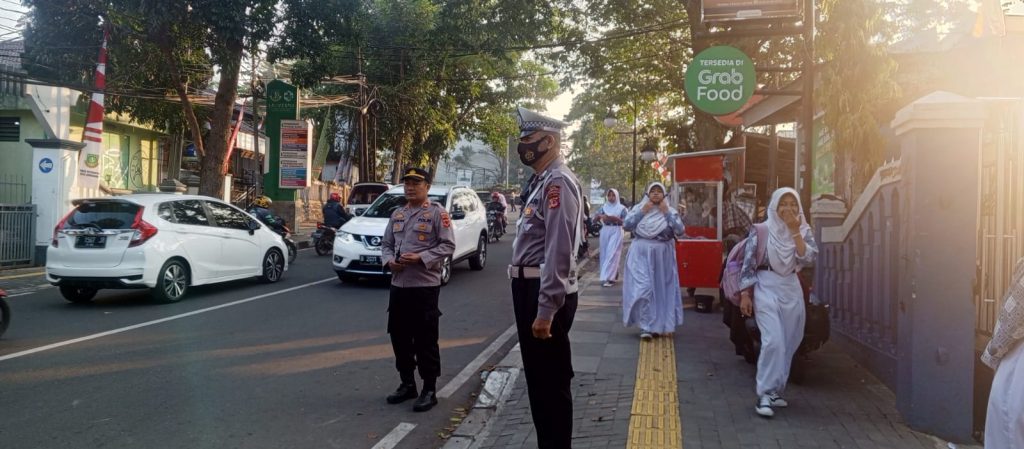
(545,285)
(412,310)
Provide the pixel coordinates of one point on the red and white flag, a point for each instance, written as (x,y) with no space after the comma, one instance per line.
(661,167)
(89,161)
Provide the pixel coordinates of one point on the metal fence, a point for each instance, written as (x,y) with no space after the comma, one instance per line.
(17,235)
(14,189)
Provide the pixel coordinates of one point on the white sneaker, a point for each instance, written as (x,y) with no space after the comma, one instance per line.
(646,336)
(607,284)
(777,401)
(764,407)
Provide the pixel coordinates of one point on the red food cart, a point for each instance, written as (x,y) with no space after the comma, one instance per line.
(697,193)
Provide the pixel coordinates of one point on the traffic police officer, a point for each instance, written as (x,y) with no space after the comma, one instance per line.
(416,242)
(544,279)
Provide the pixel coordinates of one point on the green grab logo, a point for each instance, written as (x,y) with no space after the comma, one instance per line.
(720,80)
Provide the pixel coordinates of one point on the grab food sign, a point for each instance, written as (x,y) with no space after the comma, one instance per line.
(720,80)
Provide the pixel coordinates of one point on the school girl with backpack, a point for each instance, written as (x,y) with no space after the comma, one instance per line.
(768,283)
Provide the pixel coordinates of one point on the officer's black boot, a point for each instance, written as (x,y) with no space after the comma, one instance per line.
(428,398)
(405,391)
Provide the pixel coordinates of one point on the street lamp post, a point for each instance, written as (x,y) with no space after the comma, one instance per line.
(609,122)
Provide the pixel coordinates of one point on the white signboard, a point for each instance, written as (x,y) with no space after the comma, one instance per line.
(296,154)
(729,10)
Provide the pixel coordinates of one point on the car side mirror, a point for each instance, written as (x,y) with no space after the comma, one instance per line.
(360,212)
(253,226)
(458,215)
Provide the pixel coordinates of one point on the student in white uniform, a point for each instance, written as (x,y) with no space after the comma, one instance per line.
(1004,423)
(650,294)
(771,290)
(611,215)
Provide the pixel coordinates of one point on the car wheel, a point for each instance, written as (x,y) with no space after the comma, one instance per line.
(324,247)
(446,270)
(172,282)
(273,266)
(78,295)
(347,277)
(478,261)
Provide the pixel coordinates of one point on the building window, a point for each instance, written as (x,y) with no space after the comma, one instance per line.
(10,129)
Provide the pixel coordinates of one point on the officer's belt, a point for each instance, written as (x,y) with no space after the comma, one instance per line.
(517,272)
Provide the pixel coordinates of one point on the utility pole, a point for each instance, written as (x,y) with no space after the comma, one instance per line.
(805,164)
(365,167)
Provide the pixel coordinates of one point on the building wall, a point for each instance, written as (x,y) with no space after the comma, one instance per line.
(16,158)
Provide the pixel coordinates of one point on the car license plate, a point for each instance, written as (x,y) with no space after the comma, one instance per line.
(370,260)
(91,241)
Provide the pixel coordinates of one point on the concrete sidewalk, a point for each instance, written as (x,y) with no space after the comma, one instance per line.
(688,390)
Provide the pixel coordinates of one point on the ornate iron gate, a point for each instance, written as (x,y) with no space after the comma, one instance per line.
(1000,229)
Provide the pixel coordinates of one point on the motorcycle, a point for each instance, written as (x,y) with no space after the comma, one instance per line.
(322,239)
(5,312)
(817,330)
(494,228)
(286,234)
(594,227)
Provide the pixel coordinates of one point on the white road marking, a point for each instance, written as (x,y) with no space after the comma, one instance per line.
(471,369)
(161,320)
(395,436)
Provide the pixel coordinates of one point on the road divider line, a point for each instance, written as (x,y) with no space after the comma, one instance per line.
(161,320)
(453,385)
(395,436)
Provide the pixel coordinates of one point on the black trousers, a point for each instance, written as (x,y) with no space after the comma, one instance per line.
(547,364)
(413,324)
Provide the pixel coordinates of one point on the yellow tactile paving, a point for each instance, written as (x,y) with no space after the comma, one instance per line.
(654,420)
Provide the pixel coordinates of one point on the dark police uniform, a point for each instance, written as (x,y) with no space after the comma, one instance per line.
(545,285)
(413,307)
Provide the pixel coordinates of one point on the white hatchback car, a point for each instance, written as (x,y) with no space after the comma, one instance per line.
(357,246)
(159,241)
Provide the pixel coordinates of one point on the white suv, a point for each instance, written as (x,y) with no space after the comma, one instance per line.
(357,246)
(164,242)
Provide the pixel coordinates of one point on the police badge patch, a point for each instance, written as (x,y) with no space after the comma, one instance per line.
(554,195)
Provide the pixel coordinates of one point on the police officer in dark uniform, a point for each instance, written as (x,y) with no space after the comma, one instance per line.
(544,278)
(417,240)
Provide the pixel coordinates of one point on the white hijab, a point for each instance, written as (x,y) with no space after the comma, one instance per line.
(615,208)
(781,248)
(654,222)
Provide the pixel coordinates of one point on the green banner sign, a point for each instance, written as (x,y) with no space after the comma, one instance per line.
(720,80)
(282,104)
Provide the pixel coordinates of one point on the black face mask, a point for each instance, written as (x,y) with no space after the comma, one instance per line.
(530,153)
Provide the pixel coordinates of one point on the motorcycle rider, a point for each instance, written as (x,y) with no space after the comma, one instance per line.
(498,203)
(261,210)
(334,214)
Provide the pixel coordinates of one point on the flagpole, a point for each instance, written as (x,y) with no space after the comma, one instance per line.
(89,163)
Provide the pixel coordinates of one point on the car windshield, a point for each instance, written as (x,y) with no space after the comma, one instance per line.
(387,204)
(365,194)
(103,215)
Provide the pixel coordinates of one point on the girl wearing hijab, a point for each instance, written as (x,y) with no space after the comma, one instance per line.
(650,295)
(1004,423)
(771,288)
(611,215)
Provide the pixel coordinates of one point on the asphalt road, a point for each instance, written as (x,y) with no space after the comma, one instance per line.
(305,368)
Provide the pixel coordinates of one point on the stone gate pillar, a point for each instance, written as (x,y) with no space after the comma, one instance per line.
(940,141)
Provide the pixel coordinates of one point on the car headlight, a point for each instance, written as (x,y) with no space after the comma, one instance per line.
(346,237)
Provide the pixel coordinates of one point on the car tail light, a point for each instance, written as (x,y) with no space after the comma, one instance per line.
(143,230)
(60,225)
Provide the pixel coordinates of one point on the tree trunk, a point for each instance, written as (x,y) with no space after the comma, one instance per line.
(182,90)
(705,129)
(211,171)
(396,171)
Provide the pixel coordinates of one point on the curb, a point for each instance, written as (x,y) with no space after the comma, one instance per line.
(497,388)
